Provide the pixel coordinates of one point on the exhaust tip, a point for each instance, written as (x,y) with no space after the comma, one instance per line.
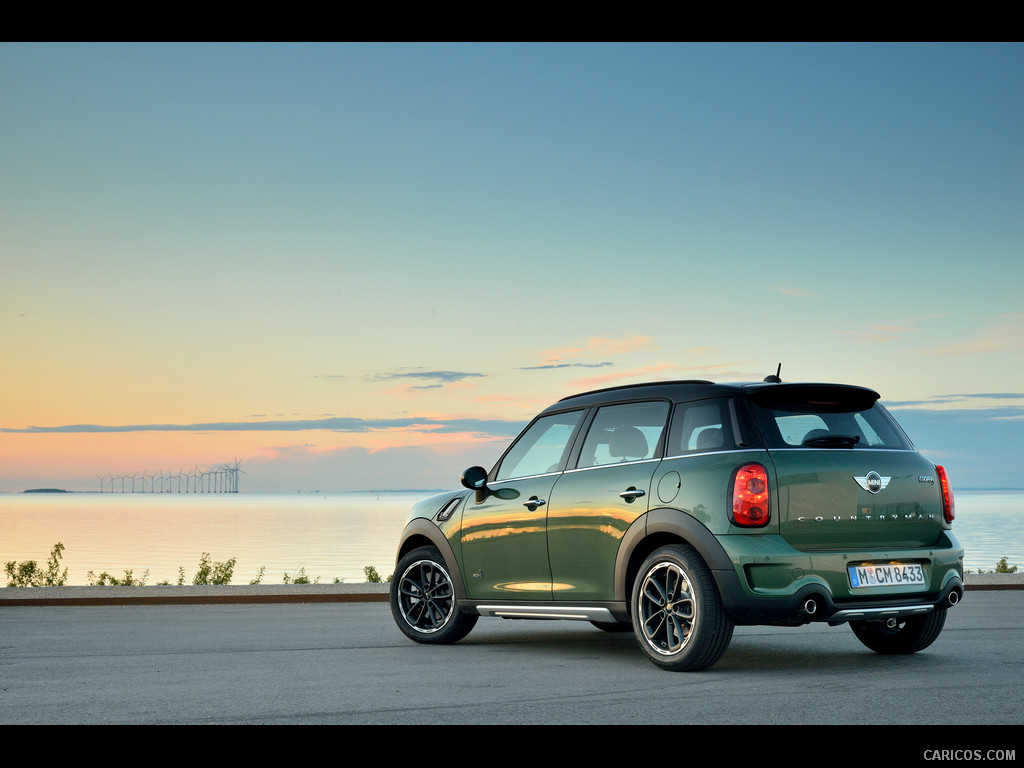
(954,597)
(811,607)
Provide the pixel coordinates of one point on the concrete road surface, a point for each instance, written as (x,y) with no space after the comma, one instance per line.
(348,663)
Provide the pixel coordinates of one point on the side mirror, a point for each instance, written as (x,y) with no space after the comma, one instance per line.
(474,478)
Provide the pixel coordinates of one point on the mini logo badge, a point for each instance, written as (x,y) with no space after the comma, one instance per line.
(872,482)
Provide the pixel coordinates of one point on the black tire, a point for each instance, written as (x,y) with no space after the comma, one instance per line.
(678,617)
(423,599)
(613,626)
(909,635)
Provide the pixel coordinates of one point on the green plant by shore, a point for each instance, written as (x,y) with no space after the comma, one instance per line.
(28,573)
(1001,567)
(128,580)
(300,577)
(372,577)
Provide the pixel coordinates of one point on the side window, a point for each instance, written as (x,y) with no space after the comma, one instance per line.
(699,427)
(541,448)
(629,432)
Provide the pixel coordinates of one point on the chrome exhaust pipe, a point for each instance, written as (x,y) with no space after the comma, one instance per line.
(810,607)
(954,597)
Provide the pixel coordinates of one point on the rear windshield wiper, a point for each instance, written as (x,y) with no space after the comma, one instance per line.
(832,441)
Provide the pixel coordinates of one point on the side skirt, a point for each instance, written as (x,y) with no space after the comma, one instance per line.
(569,612)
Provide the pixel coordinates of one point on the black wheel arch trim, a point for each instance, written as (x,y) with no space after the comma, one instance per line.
(668,520)
(413,536)
(679,524)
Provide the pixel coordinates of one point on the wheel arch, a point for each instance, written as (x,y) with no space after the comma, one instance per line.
(658,528)
(422,532)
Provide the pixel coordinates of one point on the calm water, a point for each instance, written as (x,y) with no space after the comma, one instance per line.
(330,536)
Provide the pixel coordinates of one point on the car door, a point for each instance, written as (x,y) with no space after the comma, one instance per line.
(504,529)
(595,502)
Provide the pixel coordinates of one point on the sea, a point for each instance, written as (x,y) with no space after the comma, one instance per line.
(324,537)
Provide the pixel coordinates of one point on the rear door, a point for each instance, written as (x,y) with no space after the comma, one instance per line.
(595,502)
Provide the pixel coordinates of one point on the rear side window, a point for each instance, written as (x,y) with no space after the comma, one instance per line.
(705,426)
(828,422)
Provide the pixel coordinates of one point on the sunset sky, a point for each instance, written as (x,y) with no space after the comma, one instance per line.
(367,266)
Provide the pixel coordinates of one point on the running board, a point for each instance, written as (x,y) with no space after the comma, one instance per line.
(573,613)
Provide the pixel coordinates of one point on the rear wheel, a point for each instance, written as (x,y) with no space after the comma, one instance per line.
(907,635)
(678,617)
(423,599)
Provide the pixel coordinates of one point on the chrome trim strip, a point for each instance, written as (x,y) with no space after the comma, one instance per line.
(571,612)
(522,477)
(696,454)
(853,450)
(613,464)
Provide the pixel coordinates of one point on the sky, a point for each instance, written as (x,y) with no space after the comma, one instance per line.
(367,266)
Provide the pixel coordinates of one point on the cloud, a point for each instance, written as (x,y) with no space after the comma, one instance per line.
(494,427)
(596,346)
(564,365)
(438,378)
(984,404)
(1005,336)
(884,333)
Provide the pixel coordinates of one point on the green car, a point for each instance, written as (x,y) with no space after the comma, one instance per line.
(677,510)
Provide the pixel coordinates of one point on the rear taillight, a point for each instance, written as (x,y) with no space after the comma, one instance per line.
(748,497)
(948,508)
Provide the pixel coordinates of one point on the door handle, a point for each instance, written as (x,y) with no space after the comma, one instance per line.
(632,493)
(533,503)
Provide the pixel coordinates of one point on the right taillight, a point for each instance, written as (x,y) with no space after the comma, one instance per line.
(748,496)
(948,508)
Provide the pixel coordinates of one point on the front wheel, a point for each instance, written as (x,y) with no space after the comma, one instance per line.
(907,635)
(423,599)
(678,617)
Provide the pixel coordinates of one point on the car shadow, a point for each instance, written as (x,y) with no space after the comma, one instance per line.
(787,649)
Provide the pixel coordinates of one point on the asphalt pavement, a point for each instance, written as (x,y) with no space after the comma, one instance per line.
(347,663)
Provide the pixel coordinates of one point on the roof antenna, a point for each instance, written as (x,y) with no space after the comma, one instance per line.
(775,379)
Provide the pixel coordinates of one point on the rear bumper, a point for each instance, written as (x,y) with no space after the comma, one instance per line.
(813,603)
(776,584)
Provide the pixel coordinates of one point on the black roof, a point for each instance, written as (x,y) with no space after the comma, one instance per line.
(696,389)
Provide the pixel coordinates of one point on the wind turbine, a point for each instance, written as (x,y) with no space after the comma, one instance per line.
(235,469)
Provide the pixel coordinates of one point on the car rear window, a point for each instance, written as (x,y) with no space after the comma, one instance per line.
(827,419)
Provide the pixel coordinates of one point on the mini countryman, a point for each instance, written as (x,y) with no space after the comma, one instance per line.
(677,510)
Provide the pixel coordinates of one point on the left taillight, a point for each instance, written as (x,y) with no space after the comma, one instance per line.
(748,497)
(948,507)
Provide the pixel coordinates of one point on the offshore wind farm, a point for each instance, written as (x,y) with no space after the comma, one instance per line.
(215,478)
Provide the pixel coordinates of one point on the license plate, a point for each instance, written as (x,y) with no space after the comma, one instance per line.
(888,575)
